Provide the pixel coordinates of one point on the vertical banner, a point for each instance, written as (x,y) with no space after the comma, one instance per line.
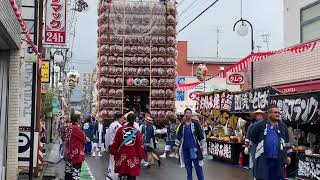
(55,22)
(45,71)
(180,95)
(25,120)
(28,139)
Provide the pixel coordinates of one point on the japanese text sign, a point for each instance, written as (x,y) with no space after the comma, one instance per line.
(298,108)
(308,167)
(219,149)
(45,71)
(55,23)
(215,100)
(235,78)
(250,101)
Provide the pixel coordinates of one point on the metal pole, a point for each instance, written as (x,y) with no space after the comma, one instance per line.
(52,58)
(252,44)
(33,114)
(38,97)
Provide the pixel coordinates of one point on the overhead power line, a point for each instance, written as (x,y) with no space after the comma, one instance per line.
(184,11)
(195,9)
(198,15)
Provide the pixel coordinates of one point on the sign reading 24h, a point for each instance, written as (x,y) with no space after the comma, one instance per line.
(298,108)
(55,24)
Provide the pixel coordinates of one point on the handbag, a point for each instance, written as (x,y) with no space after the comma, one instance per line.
(127,139)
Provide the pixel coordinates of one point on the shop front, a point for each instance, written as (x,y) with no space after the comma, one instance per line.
(229,114)
(301,113)
(10,36)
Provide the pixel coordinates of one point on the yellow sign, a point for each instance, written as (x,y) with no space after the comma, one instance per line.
(45,71)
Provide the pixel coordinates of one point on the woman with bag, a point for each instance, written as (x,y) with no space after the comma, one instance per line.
(127,149)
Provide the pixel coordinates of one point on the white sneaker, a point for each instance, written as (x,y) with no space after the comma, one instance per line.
(172,155)
(93,154)
(163,156)
(99,154)
(177,156)
(146,164)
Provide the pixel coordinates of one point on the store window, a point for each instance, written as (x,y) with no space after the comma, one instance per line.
(310,22)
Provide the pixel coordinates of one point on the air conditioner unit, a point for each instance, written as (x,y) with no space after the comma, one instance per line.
(221,68)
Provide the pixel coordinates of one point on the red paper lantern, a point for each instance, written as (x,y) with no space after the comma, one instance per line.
(169,93)
(130,82)
(119,92)
(103,103)
(146,71)
(102,92)
(112,92)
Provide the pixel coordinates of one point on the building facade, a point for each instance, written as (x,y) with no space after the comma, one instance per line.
(9,91)
(186,70)
(301,21)
(187,66)
(294,71)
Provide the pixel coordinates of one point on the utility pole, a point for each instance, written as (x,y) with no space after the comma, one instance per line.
(38,95)
(218,31)
(265,38)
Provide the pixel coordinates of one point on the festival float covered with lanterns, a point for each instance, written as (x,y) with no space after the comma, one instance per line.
(137,57)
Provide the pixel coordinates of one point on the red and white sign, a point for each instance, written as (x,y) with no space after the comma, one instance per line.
(55,24)
(194,95)
(235,78)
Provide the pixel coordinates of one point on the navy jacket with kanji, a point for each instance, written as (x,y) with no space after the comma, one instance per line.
(259,131)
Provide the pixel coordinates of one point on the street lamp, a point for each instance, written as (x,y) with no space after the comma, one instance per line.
(243,31)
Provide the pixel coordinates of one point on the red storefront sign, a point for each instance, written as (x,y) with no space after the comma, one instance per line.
(55,23)
(299,87)
(194,95)
(235,78)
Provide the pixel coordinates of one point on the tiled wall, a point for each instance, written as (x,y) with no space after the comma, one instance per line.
(9,22)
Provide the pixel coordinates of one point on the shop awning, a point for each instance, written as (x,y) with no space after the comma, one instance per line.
(299,87)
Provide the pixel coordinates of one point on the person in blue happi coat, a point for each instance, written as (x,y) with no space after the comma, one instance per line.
(272,140)
(250,147)
(190,142)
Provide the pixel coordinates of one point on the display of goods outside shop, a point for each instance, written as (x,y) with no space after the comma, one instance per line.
(137,52)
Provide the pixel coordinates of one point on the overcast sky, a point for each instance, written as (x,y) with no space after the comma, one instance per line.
(265,15)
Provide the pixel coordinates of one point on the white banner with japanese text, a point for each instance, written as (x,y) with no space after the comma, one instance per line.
(55,22)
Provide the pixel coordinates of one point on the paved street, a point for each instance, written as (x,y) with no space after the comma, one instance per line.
(171,170)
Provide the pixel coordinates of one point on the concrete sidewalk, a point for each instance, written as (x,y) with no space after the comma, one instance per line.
(55,165)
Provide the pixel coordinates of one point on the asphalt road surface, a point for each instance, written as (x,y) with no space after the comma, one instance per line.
(170,170)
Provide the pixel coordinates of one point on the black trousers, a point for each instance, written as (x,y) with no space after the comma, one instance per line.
(72,171)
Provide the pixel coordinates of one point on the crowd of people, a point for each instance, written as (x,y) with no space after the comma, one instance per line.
(130,140)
